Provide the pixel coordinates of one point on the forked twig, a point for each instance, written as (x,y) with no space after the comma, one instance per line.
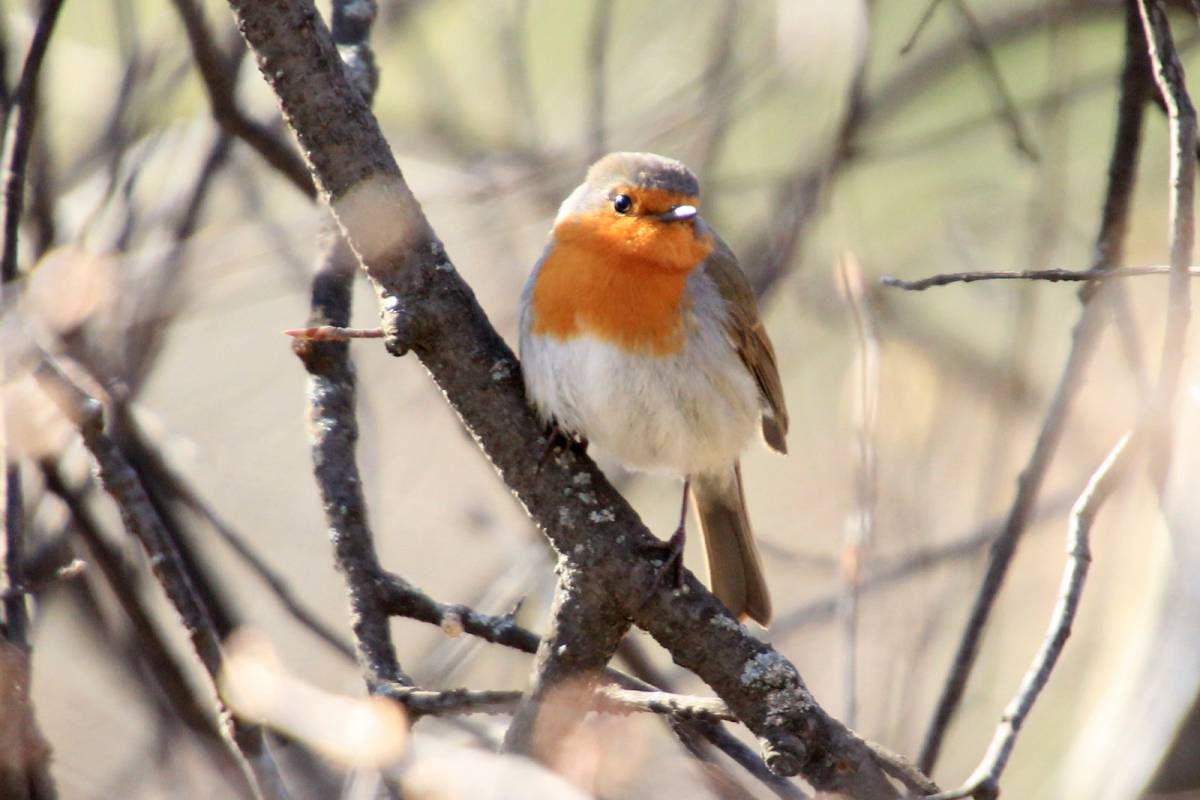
(984,783)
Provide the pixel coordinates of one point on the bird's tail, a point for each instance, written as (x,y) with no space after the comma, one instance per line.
(734,570)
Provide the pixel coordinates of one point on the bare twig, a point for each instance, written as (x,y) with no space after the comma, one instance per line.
(624,701)
(903,770)
(1051,275)
(143,522)
(402,599)
(16,614)
(748,760)
(1135,85)
(333,333)
(984,783)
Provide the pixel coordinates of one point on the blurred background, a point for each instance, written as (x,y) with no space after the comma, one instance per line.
(165,260)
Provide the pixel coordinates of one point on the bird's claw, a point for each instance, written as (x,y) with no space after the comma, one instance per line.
(558,440)
(672,566)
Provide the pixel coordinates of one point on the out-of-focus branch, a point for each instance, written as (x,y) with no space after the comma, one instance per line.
(923,22)
(978,41)
(143,522)
(860,521)
(904,567)
(177,487)
(602,11)
(1050,275)
(430,310)
(717,93)
(919,71)
(1135,90)
(151,643)
(218,74)
(1181,118)
(24,753)
(18,135)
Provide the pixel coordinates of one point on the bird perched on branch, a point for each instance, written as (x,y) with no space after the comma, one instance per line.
(640,334)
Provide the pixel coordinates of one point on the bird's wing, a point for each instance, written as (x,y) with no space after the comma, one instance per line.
(750,339)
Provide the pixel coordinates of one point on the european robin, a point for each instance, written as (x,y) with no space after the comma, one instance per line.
(640,335)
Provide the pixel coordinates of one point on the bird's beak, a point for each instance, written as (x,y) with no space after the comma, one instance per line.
(678,214)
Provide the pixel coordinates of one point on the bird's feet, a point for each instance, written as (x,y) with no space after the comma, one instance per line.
(558,440)
(672,567)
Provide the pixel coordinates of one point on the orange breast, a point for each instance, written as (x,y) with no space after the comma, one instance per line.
(620,279)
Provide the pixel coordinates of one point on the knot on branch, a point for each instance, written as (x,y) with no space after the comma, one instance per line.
(783,753)
(399,326)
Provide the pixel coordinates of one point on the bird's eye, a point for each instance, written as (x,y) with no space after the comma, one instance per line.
(622,203)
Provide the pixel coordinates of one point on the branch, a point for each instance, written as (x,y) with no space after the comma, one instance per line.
(178,487)
(332,397)
(1122,170)
(1051,275)
(152,647)
(428,309)
(143,522)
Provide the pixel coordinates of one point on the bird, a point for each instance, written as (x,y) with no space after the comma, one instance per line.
(640,335)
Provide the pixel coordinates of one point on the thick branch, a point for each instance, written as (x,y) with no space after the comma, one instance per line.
(430,310)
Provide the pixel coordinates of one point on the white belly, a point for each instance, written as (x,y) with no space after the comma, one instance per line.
(688,413)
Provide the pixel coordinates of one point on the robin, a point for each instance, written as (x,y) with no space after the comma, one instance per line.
(640,334)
